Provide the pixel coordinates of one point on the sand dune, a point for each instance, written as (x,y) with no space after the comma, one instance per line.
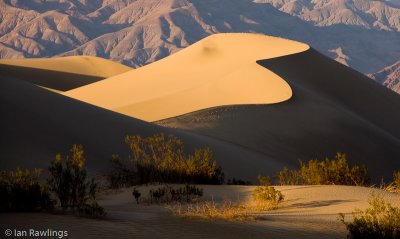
(37,123)
(83,65)
(309,212)
(218,70)
(333,108)
(64,73)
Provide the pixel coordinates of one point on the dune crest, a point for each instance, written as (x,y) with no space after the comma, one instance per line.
(218,70)
(83,65)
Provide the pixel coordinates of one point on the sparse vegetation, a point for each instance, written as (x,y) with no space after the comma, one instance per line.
(264,198)
(162,159)
(68,180)
(170,194)
(136,194)
(235,181)
(264,180)
(396,181)
(393,186)
(21,190)
(210,210)
(289,177)
(380,221)
(327,172)
(122,174)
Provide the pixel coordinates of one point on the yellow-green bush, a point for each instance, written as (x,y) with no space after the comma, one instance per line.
(396,180)
(21,190)
(264,180)
(289,177)
(162,159)
(68,180)
(266,198)
(325,172)
(380,221)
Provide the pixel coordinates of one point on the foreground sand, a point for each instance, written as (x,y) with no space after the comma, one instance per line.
(218,70)
(308,212)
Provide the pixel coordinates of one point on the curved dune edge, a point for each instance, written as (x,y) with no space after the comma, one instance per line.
(83,65)
(218,70)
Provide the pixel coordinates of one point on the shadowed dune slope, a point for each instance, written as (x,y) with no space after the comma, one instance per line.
(63,73)
(37,123)
(54,80)
(333,108)
(219,70)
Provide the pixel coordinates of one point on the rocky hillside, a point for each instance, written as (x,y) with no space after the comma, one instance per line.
(389,77)
(363,34)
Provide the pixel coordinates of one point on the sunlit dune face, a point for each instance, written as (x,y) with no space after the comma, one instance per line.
(218,70)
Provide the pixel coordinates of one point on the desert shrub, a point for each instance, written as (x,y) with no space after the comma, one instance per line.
(91,209)
(22,191)
(264,180)
(68,180)
(235,181)
(325,172)
(122,174)
(169,194)
(396,180)
(267,197)
(211,210)
(333,171)
(188,193)
(136,194)
(158,195)
(160,159)
(380,220)
(393,186)
(264,198)
(289,177)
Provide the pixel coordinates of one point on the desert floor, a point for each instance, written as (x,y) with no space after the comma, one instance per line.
(308,212)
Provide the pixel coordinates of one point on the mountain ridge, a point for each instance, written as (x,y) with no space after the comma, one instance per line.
(138,32)
(389,77)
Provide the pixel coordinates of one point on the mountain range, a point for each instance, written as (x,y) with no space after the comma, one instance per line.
(363,34)
(389,77)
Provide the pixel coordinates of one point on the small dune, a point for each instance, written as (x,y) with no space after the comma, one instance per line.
(83,65)
(61,74)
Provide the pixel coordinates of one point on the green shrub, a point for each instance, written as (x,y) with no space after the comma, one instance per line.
(264,180)
(289,177)
(267,197)
(264,198)
(396,180)
(380,221)
(329,171)
(159,159)
(21,191)
(68,180)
